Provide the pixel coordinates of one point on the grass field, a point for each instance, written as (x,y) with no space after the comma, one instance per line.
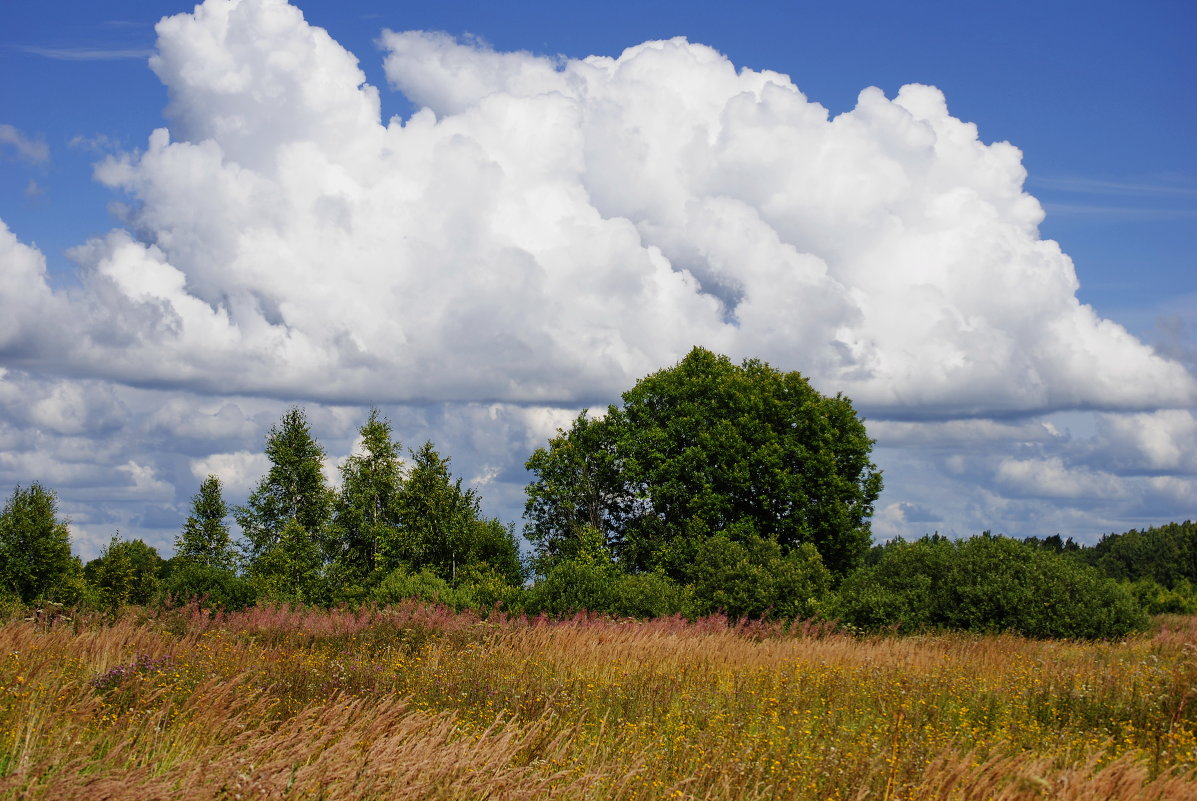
(416,702)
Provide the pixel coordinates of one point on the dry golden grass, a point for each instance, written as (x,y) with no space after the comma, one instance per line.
(421,703)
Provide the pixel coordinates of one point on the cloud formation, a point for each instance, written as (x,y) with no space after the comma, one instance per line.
(548,230)
(540,234)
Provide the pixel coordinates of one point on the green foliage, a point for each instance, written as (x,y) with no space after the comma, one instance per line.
(646,595)
(755,579)
(575,584)
(482,587)
(1156,599)
(579,488)
(589,580)
(702,448)
(125,572)
(35,546)
(205,537)
(366,516)
(492,548)
(285,521)
(435,516)
(440,525)
(288,570)
(580,583)
(213,587)
(986,584)
(1166,555)
(425,585)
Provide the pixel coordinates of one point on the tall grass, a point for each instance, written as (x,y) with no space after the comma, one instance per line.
(419,702)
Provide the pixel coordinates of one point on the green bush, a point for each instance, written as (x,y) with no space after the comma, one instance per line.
(596,585)
(484,587)
(645,595)
(986,584)
(213,587)
(125,572)
(575,584)
(755,579)
(1157,599)
(425,585)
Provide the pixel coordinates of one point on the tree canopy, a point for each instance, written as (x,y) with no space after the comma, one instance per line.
(703,448)
(35,546)
(204,538)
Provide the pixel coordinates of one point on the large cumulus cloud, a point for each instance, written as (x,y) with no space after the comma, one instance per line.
(538,235)
(548,230)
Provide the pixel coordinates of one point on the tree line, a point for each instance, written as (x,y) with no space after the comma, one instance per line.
(713,487)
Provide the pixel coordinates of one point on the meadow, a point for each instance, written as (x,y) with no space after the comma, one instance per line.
(418,702)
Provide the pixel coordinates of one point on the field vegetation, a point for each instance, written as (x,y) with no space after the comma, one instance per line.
(416,701)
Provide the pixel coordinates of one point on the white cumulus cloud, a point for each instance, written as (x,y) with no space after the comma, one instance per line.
(548,230)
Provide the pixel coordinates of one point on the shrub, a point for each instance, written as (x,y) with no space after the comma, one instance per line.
(575,584)
(755,579)
(483,587)
(1157,599)
(986,584)
(425,585)
(213,587)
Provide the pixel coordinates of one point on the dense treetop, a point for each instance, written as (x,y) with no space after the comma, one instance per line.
(703,448)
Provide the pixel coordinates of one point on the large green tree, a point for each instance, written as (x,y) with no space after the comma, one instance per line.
(35,546)
(286,517)
(703,448)
(204,538)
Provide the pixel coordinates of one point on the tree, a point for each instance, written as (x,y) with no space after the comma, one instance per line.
(1166,554)
(702,448)
(125,572)
(289,568)
(35,546)
(441,525)
(205,537)
(293,491)
(366,516)
(579,491)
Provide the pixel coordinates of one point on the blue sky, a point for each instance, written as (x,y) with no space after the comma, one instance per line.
(1095,95)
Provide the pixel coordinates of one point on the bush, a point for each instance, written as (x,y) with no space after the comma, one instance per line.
(1157,599)
(483,587)
(594,585)
(575,584)
(645,595)
(213,587)
(986,584)
(399,585)
(754,579)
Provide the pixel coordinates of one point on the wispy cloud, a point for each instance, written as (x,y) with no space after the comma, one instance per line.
(99,143)
(1131,213)
(1093,186)
(1118,200)
(89,53)
(32,150)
